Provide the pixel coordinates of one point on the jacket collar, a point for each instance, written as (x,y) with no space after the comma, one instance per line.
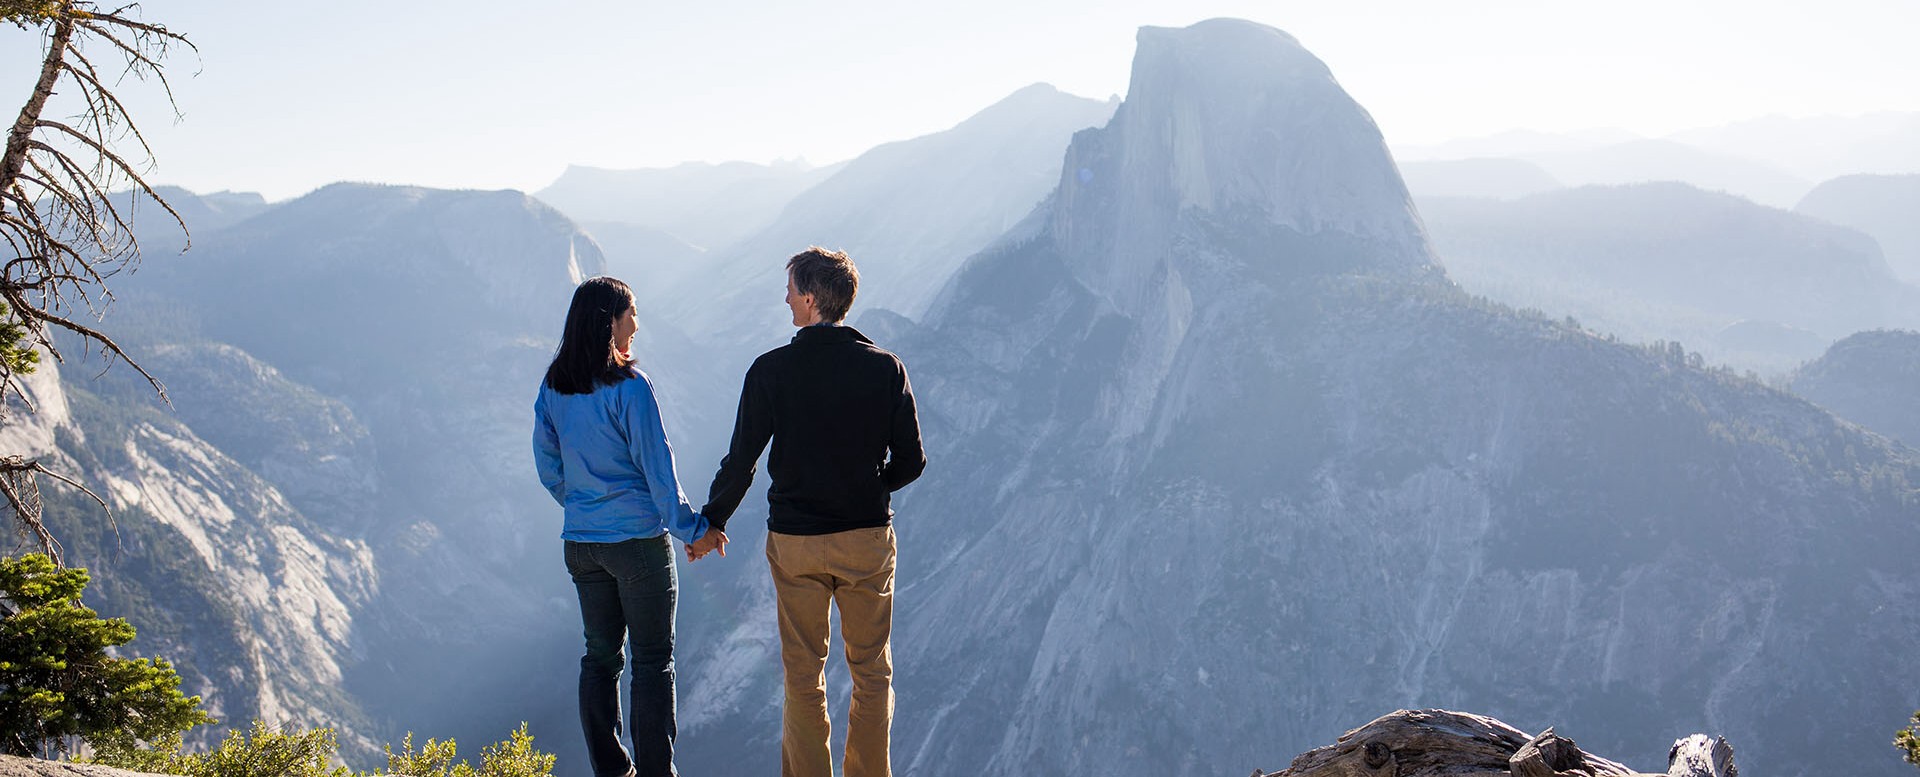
(829,334)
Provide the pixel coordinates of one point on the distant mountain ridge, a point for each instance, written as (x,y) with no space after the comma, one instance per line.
(1771,160)
(710,206)
(652,262)
(1872,379)
(1643,161)
(1883,206)
(1498,178)
(1671,262)
(1818,148)
(908,212)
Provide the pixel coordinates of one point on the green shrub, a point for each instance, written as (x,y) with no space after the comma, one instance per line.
(266,752)
(259,752)
(1908,740)
(514,757)
(17,355)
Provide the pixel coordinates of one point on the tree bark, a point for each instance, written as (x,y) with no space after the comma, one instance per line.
(23,127)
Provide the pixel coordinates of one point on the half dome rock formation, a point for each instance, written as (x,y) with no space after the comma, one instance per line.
(1231,126)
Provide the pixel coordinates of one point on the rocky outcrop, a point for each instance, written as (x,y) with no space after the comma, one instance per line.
(1430,743)
(15,766)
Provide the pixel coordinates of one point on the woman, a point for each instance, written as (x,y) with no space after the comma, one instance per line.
(602,452)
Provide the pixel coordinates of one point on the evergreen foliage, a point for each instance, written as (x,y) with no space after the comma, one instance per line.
(57,680)
(16,355)
(25,13)
(266,752)
(1908,740)
(514,757)
(259,752)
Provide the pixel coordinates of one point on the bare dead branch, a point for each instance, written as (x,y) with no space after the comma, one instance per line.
(41,282)
(106,343)
(23,495)
(113,106)
(111,521)
(146,35)
(40,229)
(125,169)
(44,179)
(85,208)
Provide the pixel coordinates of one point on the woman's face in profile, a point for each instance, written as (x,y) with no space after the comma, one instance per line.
(624,326)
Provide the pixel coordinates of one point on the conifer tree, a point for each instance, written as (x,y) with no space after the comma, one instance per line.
(57,680)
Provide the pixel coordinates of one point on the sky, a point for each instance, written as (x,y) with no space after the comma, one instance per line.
(286,97)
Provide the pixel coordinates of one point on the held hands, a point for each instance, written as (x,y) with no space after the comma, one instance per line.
(712,540)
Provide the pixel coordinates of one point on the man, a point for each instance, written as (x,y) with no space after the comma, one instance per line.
(840,414)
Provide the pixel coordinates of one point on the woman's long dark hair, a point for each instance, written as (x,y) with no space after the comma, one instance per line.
(586,358)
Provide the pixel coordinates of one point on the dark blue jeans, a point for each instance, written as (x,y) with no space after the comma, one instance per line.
(627,593)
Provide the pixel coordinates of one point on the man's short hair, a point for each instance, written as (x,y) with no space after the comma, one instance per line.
(829,276)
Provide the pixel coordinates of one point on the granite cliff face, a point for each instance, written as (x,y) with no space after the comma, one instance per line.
(216,567)
(1222,462)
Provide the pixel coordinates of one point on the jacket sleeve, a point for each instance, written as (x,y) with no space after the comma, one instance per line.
(752,428)
(906,459)
(647,442)
(546,450)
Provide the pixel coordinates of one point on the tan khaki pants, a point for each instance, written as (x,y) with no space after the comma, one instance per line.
(854,571)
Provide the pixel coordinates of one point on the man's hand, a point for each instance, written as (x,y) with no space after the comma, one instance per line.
(709,542)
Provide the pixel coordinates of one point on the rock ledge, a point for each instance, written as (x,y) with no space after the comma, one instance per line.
(1431,743)
(15,766)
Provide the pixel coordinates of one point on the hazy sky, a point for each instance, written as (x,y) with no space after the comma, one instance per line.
(290,96)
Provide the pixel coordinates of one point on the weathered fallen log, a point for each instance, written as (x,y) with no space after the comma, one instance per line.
(1439,743)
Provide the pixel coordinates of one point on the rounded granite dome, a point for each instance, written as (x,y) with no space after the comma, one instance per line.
(1231,122)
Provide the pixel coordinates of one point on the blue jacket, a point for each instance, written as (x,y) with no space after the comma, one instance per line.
(604,456)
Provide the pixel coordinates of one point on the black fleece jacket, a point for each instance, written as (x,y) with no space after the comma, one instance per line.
(845,434)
